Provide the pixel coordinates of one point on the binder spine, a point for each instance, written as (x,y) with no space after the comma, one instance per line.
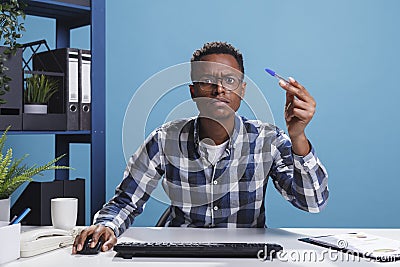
(72,85)
(85,90)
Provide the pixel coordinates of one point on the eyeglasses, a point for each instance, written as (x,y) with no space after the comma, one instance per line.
(209,83)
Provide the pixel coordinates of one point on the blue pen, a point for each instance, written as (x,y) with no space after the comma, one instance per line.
(276,75)
(21,216)
(13,219)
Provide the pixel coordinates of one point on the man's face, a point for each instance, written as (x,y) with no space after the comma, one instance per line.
(217,87)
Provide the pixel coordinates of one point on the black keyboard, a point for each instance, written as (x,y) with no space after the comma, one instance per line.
(128,250)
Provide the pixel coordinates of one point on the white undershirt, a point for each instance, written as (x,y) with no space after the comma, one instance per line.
(214,153)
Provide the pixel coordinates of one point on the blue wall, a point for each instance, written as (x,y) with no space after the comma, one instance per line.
(345,53)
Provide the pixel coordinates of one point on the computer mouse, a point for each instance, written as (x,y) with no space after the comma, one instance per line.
(87,250)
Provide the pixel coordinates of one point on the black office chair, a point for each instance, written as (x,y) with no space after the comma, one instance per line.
(164,217)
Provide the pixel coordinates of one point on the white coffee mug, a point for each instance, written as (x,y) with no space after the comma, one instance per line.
(64,212)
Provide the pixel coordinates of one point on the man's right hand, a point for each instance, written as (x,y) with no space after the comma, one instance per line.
(97,231)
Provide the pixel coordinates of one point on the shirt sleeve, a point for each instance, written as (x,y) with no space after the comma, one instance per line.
(302,180)
(140,178)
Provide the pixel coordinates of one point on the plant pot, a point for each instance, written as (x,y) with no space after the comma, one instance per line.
(35,108)
(5,209)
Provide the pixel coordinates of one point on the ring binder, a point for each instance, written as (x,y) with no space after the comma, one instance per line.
(85,90)
(65,100)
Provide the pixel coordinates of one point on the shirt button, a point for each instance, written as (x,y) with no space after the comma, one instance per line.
(215,207)
(215,182)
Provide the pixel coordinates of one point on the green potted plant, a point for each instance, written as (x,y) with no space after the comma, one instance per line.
(13,173)
(10,30)
(38,91)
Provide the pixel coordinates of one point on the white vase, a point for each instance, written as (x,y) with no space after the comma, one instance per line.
(5,209)
(35,108)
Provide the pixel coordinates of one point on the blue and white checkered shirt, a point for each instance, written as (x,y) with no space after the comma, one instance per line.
(230,193)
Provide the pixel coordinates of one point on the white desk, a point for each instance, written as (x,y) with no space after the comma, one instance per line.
(286,237)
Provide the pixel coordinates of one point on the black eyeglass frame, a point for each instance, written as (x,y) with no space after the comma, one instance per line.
(215,82)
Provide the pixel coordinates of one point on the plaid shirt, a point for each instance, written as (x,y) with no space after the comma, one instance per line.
(230,193)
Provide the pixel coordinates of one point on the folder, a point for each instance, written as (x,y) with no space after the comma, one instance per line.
(360,244)
(11,112)
(76,188)
(64,61)
(85,90)
(38,195)
(72,90)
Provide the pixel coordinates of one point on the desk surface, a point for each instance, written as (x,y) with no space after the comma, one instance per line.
(286,237)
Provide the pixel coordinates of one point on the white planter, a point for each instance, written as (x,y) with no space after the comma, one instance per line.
(5,209)
(35,109)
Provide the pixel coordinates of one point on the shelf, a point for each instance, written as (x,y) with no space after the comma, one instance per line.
(73,13)
(49,132)
(70,14)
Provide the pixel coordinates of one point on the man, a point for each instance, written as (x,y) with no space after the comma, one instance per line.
(215,167)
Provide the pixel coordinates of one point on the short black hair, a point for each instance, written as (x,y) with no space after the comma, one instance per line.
(218,48)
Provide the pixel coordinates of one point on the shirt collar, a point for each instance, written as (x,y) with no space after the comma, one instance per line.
(233,141)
